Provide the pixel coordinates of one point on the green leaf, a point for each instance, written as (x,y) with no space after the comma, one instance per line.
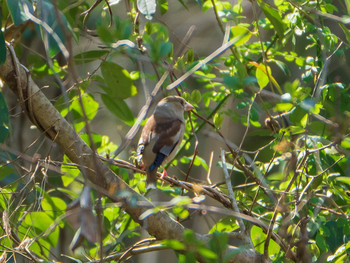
(196,96)
(47,14)
(207,253)
(189,237)
(2,42)
(283,107)
(18,10)
(118,80)
(346,32)
(89,103)
(4,119)
(283,66)
(262,78)
(265,70)
(105,34)
(190,257)
(119,108)
(298,116)
(318,127)
(240,31)
(180,212)
(274,17)
(333,234)
(190,56)
(42,222)
(308,105)
(165,49)
(41,247)
(8,173)
(90,107)
(258,237)
(198,161)
(218,242)
(147,8)
(218,119)
(53,206)
(174,244)
(69,172)
(69,193)
(89,56)
(97,139)
(343,179)
(111,213)
(227,224)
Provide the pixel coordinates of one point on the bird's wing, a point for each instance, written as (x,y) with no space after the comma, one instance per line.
(169,132)
(162,135)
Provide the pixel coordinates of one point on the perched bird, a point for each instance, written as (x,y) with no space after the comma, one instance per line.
(162,135)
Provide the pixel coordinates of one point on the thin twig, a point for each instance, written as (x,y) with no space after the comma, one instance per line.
(195,152)
(209,167)
(206,190)
(201,63)
(134,246)
(230,191)
(133,252)
(226,33)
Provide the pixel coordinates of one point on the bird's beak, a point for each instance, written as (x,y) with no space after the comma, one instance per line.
(188,107)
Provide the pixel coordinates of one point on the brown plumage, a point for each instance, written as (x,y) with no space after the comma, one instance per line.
(161,136)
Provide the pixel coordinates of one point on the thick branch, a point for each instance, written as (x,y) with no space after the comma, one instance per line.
(43,114)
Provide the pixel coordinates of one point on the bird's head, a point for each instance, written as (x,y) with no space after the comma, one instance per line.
(173,106)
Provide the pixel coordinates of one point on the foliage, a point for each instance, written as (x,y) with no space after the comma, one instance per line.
(286,64)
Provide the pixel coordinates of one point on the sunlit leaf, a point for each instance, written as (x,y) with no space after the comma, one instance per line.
(207,253)
(274,17)
(262,78)
(199,161)
(70,173)
(174,244)
(227,224)
(164,6)
(262,71)
(88,102)
(181,212)
(42,222)
(237,31)
(259,237)
(218,119)
(343,179)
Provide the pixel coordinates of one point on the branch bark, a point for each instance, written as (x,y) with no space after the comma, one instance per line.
(45,116)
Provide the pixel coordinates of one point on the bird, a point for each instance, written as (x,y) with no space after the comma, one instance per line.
(161,136)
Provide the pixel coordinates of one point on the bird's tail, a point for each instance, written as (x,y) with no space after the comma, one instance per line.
(151,180)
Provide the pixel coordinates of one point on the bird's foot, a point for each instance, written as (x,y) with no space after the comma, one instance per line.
(142,166)
(163,175)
